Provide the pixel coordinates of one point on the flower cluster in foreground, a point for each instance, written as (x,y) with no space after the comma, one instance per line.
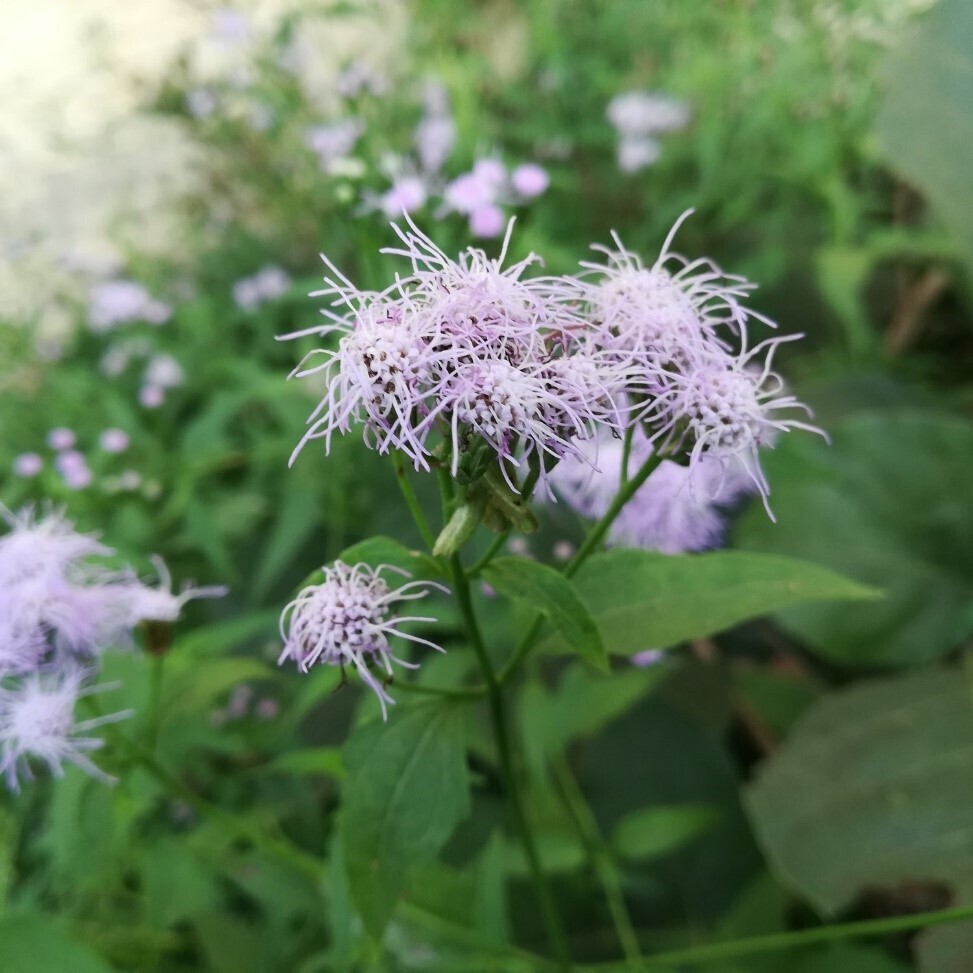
(461,357)
(347,619)
(508,381)
(61,607)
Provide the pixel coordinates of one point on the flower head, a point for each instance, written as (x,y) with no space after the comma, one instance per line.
(37,721)
(348,619)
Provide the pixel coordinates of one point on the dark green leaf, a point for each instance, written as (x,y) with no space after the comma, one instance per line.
(659,830)
(32,943)
(554,595)
(407,788)
(883,503)
(873,788)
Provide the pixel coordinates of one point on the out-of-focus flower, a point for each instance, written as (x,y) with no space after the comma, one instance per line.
(152,396)
(201,102)
(231,26)
(468,193)
(530,180)
(61,438)
(638,152)
(334,142)
(434,138)
(487,222)
(406,195)
(358,78)
(267,284)
(348,619)
(74,470)
(114,440)
(267,709)
(648,658)
(28,465)
(563,551)
(647,113)
(116,302)
(164,372)
(37,721)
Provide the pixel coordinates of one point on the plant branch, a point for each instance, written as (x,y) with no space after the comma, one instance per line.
(411,500)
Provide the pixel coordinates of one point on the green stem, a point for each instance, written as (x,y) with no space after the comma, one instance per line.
(581,555)
(501,733)
(626,453)
(411,500)
(601,858)
(156,672)
(780,941)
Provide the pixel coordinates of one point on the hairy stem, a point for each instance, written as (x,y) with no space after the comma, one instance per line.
(501,732)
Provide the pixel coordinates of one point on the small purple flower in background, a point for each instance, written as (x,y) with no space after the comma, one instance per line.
(530,180)
(267,709)
(114,440)
(435,137)
(468,193)
(201,103)
(487,222)
(164,372)
(37,722)
(648,658)
(231,26)
(406,195)
(563,551)
(116,302)
(267,284)
(348,619)
(519,546)
(239,701)
(129,480)
(73,468)
(358,78)
(639,116)
(28,465)
(61,438)
(151,396)
(335,142)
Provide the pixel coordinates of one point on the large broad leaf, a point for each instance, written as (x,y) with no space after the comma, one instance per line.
(873,788)
(552,594)
(926,124)
(641,599)
(407,788)
(31,943)
(887,502)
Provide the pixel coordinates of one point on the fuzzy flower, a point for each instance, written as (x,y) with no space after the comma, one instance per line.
(267,284)
(637,152)
(118,302)
(61,438)
(647,113)
(28,465)
(335,142)
(37,722)
(458,350)
(677,510)
(434,138)
(529,180)
(137,602)
(348,619)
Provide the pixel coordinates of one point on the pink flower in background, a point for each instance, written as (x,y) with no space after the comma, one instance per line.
(73,468)
(267,284)
(487,222)
(636,153)
(114,441)
(152,396)
(117,302)
(334,142)
(28,465)
(61,438)
(468,193)
(530,180)
(406,195)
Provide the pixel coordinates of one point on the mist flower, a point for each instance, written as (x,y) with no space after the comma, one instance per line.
(530,180)
(61,438)
(267,284)
(348,619)
(114,440)
(117,302)
(637,152)
(406,195)
(487,221)
(334,142)
(28,465)
(152,396)
(164,372)
(201,102)
(647,113)
(37,722)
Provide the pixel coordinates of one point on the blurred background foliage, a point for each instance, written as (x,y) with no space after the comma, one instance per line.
(807,765)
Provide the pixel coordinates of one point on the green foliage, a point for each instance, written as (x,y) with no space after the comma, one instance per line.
(872,790)
(405,791)
(641,599)
(886,488)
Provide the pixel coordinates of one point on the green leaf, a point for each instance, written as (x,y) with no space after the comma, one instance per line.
(295,520)
(641,599)
(926,123)
(555,596)
(407,788)
(313,760)
(883,503)
(657,831)
(32,943)
(873,788)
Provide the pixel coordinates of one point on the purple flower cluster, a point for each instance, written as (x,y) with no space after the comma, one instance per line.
(69,461)
(118,302)
(639,118)
(347,619)
(461,355)
(61,606)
